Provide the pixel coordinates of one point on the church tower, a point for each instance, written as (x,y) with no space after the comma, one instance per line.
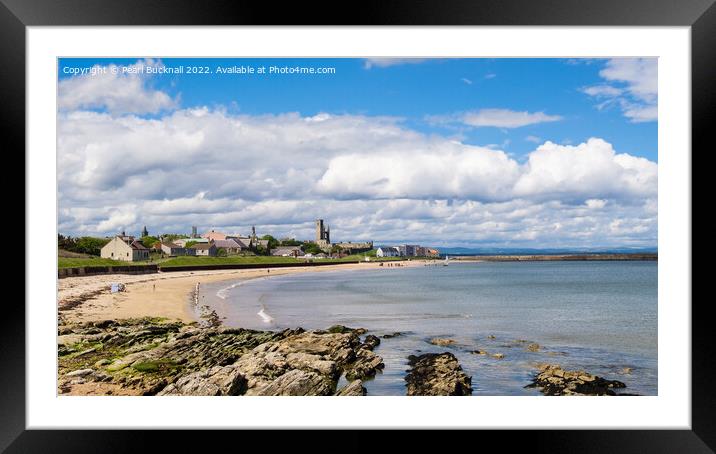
(323,235)
(320,233)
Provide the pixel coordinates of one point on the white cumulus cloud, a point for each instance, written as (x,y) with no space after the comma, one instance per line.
(114,90)
(589,170)
(369,177)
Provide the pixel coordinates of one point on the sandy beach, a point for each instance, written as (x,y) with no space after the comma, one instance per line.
(167,294)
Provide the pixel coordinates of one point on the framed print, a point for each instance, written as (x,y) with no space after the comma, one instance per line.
(454,216)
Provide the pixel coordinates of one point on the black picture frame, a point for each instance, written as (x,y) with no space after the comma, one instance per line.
(16,15)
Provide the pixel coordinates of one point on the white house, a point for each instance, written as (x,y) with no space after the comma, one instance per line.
(387,252)
(126,249)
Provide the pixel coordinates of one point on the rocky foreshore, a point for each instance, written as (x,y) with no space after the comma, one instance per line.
(150,356)
(154,357)
(437,374)
(552,380)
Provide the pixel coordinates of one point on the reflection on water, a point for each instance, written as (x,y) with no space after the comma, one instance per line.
(597,316)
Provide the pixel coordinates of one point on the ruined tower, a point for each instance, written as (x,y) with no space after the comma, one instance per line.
(323,235)
(320,233)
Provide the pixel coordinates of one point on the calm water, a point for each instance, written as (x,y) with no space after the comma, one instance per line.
(597,316)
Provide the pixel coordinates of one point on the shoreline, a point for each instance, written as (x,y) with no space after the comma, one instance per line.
(163,295)
(144,341)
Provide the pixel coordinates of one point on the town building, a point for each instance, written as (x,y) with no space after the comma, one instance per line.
(244,242)
(183,241)
(407,250)
(173,249)
(230,245)
(214,235)
(203,249)
(387,252)
(124,248)
(288,251)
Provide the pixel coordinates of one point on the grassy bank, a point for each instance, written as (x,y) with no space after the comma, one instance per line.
(249,259)
(88,262)
(255,259)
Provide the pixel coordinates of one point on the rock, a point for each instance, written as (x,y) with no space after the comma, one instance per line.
(442,342)
(365,365)
(390,336)
(297,383)
(552,380)
(437,374)
(498,355)
(216,381)
(79,373)
(340,329)
(99,376)
(479,352)
(491,337)
(320,353)
(337,347)
(103,324)
(62,330)
(307,361)
(208,317)
(533,347)
(118,365)
(370,342)
(148,356)
(354,388)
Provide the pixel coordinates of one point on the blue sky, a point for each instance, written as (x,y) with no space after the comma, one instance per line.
(414,91)
(491,152)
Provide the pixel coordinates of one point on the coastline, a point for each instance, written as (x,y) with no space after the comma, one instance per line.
(163,295)
(151,339)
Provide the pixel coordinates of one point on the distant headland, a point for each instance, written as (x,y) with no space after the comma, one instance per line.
(558,257)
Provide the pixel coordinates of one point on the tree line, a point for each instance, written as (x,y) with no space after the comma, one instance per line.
(83,244)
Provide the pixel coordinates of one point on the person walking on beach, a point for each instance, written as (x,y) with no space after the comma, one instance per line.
(154,287)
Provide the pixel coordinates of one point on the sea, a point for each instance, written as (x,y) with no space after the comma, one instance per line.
(600,317)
